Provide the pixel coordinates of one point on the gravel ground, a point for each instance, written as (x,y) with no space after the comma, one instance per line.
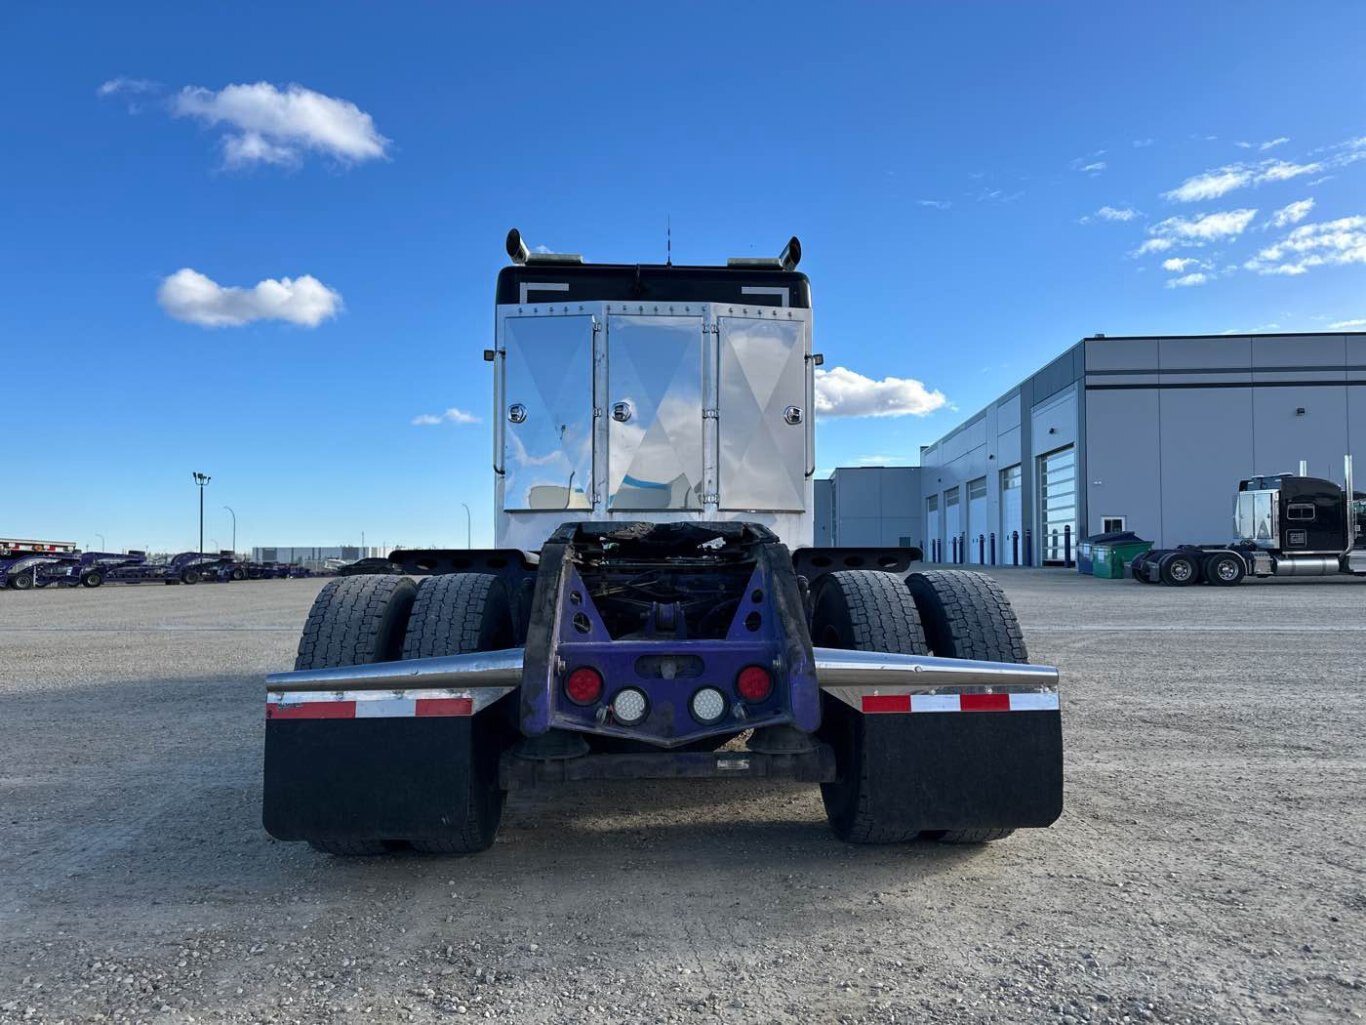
(1209,866)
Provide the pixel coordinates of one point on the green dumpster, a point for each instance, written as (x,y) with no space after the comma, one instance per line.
(1110,560)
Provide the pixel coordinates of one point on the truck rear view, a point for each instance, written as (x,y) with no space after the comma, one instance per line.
(654,607)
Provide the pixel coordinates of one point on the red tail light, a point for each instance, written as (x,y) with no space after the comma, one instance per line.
(754,683)
(584,685)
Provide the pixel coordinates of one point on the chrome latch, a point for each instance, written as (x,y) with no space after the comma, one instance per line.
(517,413)
(792,415)
(621,412)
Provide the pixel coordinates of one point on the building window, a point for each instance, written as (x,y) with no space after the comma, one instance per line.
(1299,511)
(1112,525)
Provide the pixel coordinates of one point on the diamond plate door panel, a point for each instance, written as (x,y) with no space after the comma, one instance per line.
(548,413)
(761,404)
(654,411)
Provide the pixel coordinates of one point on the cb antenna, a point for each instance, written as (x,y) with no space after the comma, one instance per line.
(669,242)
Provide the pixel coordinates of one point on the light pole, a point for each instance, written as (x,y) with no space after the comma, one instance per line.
(201,479)
(234,528)
(101,537)
(469,528)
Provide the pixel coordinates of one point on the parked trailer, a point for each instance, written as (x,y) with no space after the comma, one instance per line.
(185,568)
(26,563)
(654,608)
(1286,525)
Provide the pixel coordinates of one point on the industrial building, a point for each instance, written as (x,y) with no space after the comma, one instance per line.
(1149,434)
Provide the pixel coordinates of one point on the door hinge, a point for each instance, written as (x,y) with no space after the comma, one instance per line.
(711,498)
(711,414)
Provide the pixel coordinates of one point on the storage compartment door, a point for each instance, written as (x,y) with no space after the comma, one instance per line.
(548,413)
(762,414)
(654,411)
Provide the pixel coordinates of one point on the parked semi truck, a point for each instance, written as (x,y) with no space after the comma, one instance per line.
(1286,525)
(654,607)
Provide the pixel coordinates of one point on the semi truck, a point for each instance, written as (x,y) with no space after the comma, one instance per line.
(654,606)
(1285,525)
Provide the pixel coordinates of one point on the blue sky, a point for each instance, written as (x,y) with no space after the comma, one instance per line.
(975,186)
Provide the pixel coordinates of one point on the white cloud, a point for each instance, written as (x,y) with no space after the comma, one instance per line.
(1292,214)
(1328,243)
(1259,329)
(192,297)
(452,415)
(1272,143)
(1348,325)
(275,126)
(937,204)
(1196,231)
(1176,265)
(1141,143)
(1211,184)
(121,84)
(1282,170)
(1110,213)
(1222,180)
(842,392)
(1154,245)
(1187,281)
(1095,167)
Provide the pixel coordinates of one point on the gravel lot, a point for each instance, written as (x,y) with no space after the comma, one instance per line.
(1210,865)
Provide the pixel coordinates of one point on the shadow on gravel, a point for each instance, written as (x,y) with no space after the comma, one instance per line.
(157,787)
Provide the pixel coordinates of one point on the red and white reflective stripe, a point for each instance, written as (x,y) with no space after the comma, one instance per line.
(368,704)
(1026,701)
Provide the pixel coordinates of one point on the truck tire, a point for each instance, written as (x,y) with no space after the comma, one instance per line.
(21,581)
(355,621)
(863,611)
(1178,570)
(189,576)
(92,579)
(455,614)
(1224,569)
(239,573)
(967,615)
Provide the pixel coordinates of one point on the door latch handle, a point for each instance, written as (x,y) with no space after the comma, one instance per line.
(621,412)
(792,415)
(517,413)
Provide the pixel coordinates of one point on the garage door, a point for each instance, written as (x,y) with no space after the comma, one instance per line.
(1058,498)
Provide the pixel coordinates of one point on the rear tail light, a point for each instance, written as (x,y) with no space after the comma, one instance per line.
(629,706)
(584,686)
(708,705)
(754,683)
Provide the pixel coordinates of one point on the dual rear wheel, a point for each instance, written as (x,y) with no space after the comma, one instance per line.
(946,613)
(366,619)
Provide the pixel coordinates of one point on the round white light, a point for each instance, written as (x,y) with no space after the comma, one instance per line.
(708,704)
(629,706)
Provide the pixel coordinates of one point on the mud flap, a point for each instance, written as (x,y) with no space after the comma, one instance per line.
(404,778)
(966,770)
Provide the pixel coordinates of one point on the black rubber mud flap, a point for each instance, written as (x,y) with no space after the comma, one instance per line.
(946,771)
(400,779)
